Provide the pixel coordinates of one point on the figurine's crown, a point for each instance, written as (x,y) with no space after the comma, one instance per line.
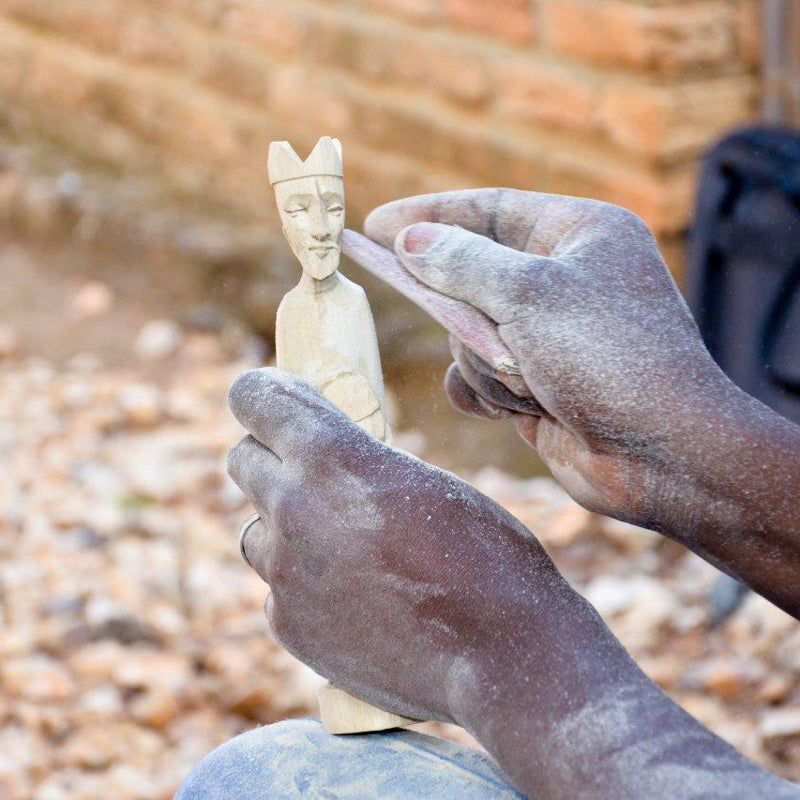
(285,165)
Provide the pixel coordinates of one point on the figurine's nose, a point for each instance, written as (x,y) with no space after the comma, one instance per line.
(320,230)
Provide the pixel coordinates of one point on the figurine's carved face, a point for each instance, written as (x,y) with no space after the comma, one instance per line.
(312,213)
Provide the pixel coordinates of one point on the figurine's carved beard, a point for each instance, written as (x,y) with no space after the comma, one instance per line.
(319,267)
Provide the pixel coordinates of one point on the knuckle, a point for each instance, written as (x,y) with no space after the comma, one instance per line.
(623,220)
(456,346)
(235,460)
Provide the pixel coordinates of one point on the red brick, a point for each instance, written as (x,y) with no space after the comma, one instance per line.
(233,71)
(205,12)
(749,32)
(154,40)
(674,121)
(57,81)
(124,103)
(196,128)
(271,24)
(650,37)
(548,96)
(512,20)
(14,60)
(300,100)
(456,72)
(479,153)
(414,10)
(96,24)
(379,51)
(345,42)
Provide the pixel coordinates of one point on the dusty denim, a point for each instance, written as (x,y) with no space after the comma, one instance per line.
(296,758)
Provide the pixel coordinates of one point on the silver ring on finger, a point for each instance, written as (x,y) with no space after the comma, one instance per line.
(243,532)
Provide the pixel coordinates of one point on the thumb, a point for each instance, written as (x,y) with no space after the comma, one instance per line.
(475,269)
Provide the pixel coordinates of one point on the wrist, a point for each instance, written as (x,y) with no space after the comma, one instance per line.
(729,489)
(522,665)
(670,476)
(550,682)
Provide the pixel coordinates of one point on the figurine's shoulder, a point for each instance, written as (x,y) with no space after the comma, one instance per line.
(293,296)
(351,287)
(355,295)
(295,301)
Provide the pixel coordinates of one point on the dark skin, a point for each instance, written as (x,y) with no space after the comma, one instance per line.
(468,619)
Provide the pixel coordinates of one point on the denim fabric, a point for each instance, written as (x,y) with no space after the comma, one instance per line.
(296,758)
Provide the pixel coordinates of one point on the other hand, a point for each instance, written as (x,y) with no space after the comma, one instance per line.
(614,372)
(394,579)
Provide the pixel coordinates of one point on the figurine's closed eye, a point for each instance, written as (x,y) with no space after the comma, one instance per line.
(336,208)
(295,208)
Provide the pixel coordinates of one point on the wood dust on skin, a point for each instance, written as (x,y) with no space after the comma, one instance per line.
(32,299)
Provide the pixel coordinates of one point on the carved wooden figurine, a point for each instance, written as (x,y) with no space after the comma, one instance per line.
(326,335)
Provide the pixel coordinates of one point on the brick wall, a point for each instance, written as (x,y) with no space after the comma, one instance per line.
(614,99)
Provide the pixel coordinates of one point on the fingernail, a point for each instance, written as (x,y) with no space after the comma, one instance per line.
(420,237)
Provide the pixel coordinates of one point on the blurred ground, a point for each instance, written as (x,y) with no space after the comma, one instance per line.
(132,639)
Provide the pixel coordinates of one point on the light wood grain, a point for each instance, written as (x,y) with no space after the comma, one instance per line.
(325,334)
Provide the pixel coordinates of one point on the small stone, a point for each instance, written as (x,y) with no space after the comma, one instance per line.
(103,702)
(36,678)
(77,395)
(780,723)
(98,661)
(203,348)
(411,441)
(760,625)
(610,595)
(148,669)
(156,707)
(725,681)
(157,340)
(14,784)
(123,781)
(775,689)
(90,747)
(663,670)
(93,299)
(641,623)
(628,537)
(86,363)
(707,710)
(69,184)
(9,341)
(99,744)
(142,404)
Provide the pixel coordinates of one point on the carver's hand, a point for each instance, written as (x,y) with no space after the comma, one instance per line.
(612,363)
(412,590)
(394,579)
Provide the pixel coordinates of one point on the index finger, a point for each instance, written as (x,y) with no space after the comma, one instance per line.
(286,415)
(533,222)
(494,213)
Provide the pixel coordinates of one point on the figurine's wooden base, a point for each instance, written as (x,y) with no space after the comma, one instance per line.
(343,713)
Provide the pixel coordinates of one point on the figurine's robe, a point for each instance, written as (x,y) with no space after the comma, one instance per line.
(327,337)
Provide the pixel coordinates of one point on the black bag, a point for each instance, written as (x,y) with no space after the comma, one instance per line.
(744,265)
